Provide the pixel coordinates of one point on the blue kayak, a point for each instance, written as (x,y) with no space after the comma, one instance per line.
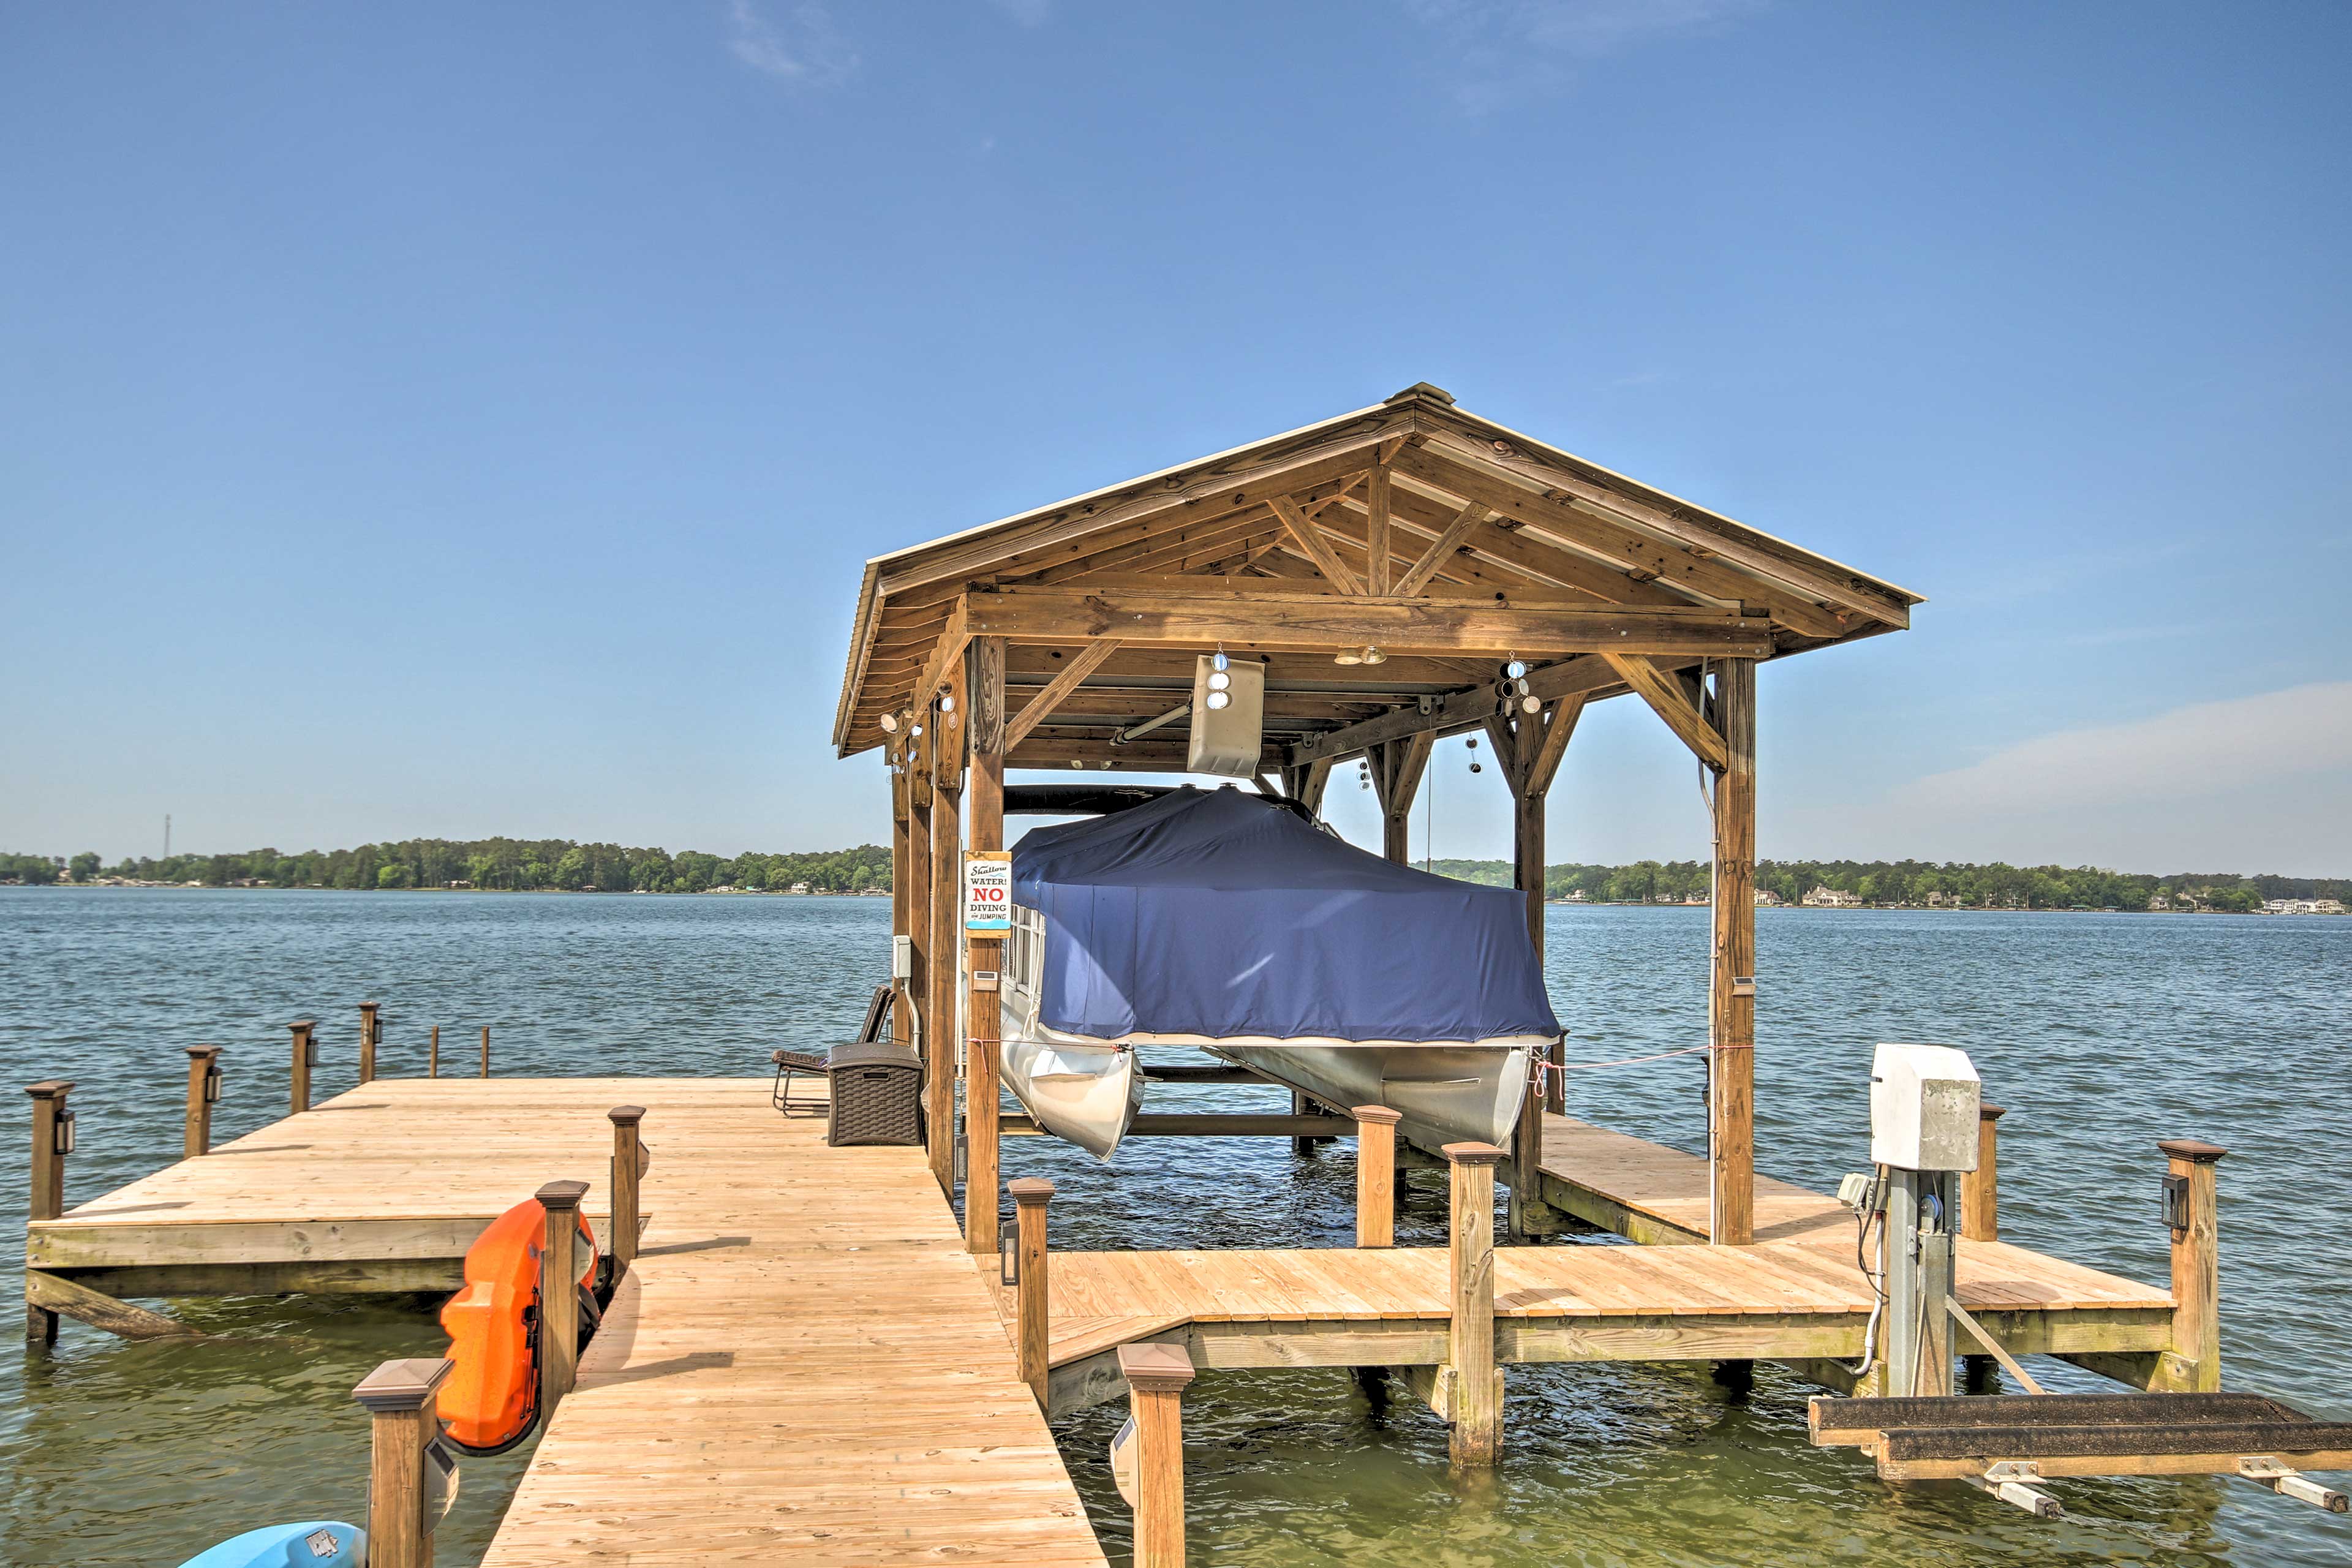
(321,1544)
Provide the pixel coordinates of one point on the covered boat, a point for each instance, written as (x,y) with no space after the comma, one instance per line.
(1222,921)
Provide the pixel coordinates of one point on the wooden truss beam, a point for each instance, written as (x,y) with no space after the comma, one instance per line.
(1309,538)
(1442,547)
(1293,622)
(1666,697)
(1085,662)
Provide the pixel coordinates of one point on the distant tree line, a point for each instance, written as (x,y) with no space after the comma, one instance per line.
(1918,882)
(560,864)
(512,863)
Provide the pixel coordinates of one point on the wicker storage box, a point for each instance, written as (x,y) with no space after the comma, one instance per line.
(877,1094)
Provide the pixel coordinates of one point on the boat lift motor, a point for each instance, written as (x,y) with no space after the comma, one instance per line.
(1923,1134)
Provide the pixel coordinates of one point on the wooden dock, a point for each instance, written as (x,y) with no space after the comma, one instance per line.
(1795,1295)
(800,1365)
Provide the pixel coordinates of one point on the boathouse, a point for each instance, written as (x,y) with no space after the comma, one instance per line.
(1388,566)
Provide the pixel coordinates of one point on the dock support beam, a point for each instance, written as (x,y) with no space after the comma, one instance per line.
(1527,751)
(1031,1197)
(1732,996)
(400,1397)
(204,1093)
(1980,1188)
(52,1137)
(945,730)
(630,1162)
(1473,1394)
(486,1051)
(984,684)
(1376,1174)
(2196,1257)
(306,1057)
(432,1053)
(1156,1377)
(370,1031)
(559,1296)
(902,873)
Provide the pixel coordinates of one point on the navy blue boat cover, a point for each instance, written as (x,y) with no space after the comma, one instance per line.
(1212,913)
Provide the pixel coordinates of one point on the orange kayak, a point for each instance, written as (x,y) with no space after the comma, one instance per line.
(490,1401)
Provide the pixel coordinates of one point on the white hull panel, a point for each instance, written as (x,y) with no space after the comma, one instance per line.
(1084,1093)
(1445,1094)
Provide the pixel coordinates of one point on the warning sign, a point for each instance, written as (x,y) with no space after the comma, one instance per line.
(987,890)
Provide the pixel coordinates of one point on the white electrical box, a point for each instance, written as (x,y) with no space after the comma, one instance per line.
(1923,1108)
(902,958)
(1228,719)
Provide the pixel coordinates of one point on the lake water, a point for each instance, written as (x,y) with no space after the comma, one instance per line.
(2100,1033)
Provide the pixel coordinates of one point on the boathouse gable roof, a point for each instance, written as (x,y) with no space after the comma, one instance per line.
(1489,541)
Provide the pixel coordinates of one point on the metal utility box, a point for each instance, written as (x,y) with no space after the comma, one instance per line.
(1923,1108)
(1229,736)
(877,1094)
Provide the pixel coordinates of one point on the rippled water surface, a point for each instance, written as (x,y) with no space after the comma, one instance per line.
(2100,1033)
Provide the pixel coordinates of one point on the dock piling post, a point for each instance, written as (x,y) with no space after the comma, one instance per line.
(1980,1188)
(1156,1377)
(1376,1170)
(486,1051)
(2190,1208)
(368,1027)
(1031,1196)
(306,1053)
(980,1127)
(630,1162)
(432,1054)
(203,1091)
(400,1399)
(52,1140)
(559,1297)
(1474,1395)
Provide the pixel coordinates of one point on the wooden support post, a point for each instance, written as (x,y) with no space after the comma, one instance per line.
(1156,1378)
(919,1017)
(432,1054)
(52,1131)
(486,1051)
(1731,996)
(902,1007)
(400,1397)
(629,1163)
(1980,1188)
(306,1050)
(2196,1258)
(1397,768)
(558,1294)
(204,1090)
(369,1025)
(1032,1195)
(948,730)
(1376,1175)
(1473,1393)
(985,811)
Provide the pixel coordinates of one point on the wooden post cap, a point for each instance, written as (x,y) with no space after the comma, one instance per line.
(202,1050)
(561,1195)
(1155,1369)
(370,1006)
(401,1385)
(50,1089)
(303,1025)
(2193,1149)
(1472,1153)
(1377,1114)
(1988,1112)
(1030,1191)
(625,1115)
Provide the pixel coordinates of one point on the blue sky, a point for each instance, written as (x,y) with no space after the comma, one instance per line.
(451,419)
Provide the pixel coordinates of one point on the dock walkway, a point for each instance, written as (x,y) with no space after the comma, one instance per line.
(799,1366)
(1796,1294)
